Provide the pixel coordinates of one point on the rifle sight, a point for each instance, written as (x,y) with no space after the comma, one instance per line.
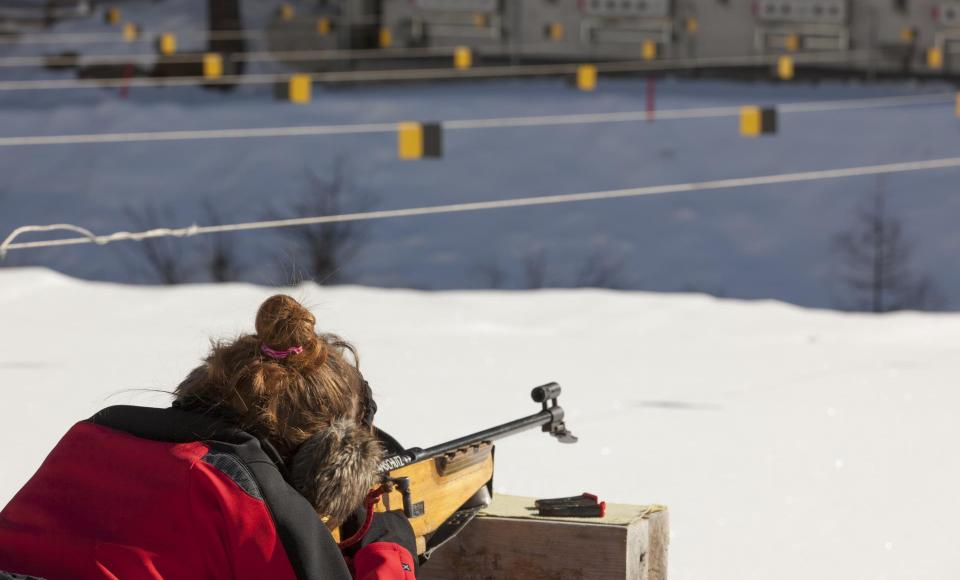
(544,393)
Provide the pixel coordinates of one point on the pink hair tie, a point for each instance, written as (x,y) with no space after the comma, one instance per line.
(279,354)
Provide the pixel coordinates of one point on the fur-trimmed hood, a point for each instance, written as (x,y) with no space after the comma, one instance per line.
(336,468)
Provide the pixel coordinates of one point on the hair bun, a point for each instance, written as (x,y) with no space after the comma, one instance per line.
(282,323)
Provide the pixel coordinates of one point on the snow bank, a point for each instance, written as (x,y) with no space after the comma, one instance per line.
(789,443)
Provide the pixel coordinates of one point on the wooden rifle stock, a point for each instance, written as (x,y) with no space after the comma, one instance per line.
(441,488)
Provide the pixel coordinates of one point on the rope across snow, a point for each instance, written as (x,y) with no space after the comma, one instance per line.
(88,237)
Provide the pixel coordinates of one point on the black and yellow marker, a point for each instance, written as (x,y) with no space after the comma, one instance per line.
(648,50)
(554,31)
(112,16)
(323,26)
(462,57)
(935,58)
(785,67)
(296,89)
(908,34)
(286,11)
(792,42)
(167,44)
(130,32)
(755,121)
(587,77)
(416,140)
(212,65)
(385,37)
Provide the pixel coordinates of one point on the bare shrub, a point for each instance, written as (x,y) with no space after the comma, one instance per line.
(876,256)
(323,250)
(161,257)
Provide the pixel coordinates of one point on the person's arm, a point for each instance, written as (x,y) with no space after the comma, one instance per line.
(387,551)
(384,561)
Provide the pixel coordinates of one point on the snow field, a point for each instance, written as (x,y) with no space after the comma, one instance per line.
(789,443)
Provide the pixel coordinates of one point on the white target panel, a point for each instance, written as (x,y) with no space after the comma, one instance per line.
(814,11)
(457,5)
(627,8)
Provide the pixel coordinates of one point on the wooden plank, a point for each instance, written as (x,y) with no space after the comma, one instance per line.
(507,541)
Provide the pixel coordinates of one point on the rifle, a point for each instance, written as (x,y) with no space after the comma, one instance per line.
(441,488)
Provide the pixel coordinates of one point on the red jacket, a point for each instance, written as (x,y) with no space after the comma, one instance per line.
(163,493)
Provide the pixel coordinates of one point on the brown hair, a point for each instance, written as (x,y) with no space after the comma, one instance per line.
(284,400)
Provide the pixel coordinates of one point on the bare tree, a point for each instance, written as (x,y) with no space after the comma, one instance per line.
(535,268)
(491,273)
(161,256)
(704,288)
(221,261)
(877,258)
(601,269)
(327,248)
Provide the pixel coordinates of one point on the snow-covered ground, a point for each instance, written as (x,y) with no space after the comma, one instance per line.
(789,443)
(758,242)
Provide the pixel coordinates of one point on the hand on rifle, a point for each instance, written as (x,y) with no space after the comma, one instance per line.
(384,527)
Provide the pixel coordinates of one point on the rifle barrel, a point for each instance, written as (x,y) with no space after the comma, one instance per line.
(491,434)
(551,417)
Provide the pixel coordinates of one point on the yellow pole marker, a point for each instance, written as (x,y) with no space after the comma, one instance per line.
(958,105)
(792,42)
(409,140)
(908,34)
(286,11)
(386,37)
(299,89)
(693,25)
(479,20)
(555,31)
(934,58)
(323,26)
(167,43)
(756,121)
(112,16)
(587,77)
(462,57)
(212,65)
(785,68)
(750,121)
(648,50)
(130,32)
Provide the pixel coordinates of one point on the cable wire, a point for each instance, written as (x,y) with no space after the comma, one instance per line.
(495,71)
(89,237)
(469,124)
(253,56)
(144,37)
